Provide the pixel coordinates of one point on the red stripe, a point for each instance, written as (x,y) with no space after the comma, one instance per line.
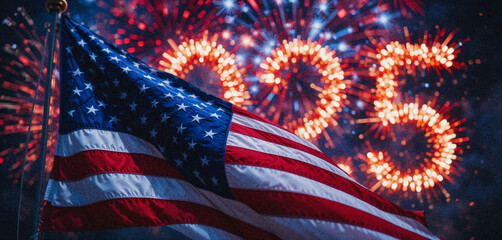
(300,205)
(94,162)
(240,111)
(142,212)
(236,155)
(270,137)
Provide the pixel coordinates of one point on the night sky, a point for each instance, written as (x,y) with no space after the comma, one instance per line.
(474,211)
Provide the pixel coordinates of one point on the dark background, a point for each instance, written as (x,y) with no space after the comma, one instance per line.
(475,209)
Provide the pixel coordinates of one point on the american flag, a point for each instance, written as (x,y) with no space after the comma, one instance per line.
(140,147)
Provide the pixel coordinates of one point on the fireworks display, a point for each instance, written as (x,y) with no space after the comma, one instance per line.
(338,73)
(19,68)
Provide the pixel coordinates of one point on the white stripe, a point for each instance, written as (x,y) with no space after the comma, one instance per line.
(120,185)
(96,139)
(319,229)
(111,186)
(243,141)
(260,178)
(269,128)
(196,231)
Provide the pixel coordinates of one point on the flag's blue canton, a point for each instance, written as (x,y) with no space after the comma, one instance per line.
(112,90)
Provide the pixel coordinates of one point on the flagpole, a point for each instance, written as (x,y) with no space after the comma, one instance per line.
(55,8)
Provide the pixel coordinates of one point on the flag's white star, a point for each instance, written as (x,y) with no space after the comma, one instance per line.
(93,57)
(197,105)
(196,118)
(168,95)
(102,68)
(178,162)
(167,82)
(126,70)
(153,133)
(175,139)
(209,103)
(154,103)
(204,161)
(114,119)
(115,58)
(71,113)
(68,50)
(101,104)
(181,96)
(136,65)
(192,95)
(215,115)
(116,82)
(191,145)
(143,119)
(82,43)
(181,89)
(143,89)
(164,118)
(209,133)
(106,50)
(92,37)
(162,149)
(182,106)
(148,77)
(92,110)
(133,106)
(77,72)
(214,180)
(72,30)
(123,95)
(77,91)
(89,86)
(180,128)
(219,109)
(185,155)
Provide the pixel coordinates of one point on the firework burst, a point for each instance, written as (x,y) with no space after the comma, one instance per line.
(425,142)
(19,68)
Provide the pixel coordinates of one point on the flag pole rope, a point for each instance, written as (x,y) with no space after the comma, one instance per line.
(55,8)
